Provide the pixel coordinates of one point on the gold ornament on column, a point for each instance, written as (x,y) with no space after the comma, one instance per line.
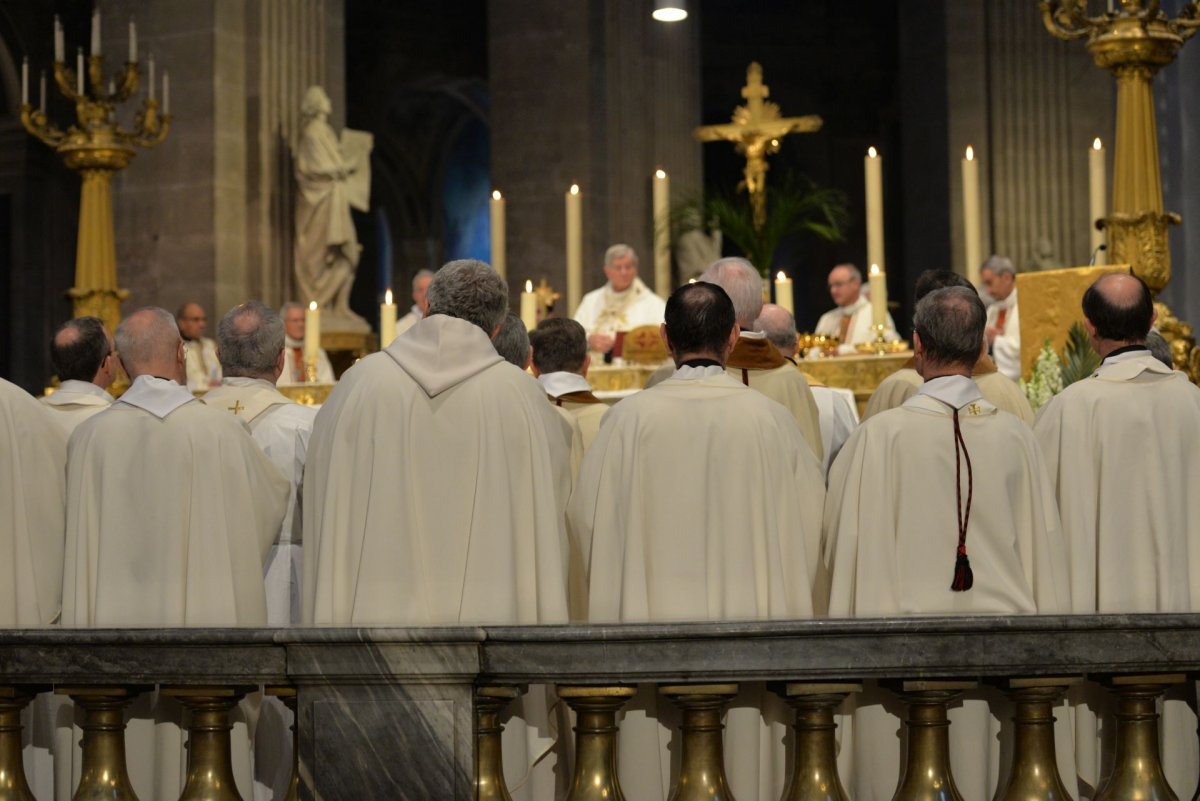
(96,146)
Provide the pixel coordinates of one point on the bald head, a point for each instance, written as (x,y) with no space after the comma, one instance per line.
(742,284)
(148,342)
(1119,310)
(250,342)
(779,326)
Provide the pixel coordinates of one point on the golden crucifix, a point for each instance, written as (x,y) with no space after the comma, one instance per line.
(756,129)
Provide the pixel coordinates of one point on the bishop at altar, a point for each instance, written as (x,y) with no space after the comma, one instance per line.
(850,321)
(622,304)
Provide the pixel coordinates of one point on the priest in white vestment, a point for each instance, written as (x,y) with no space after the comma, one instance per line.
(85,361)
(836,408)
(436,486)
(294,368)
(850,320)
(420,285)
(1123,448)
(622,304)
(941,507)
(1003,330)
(203,367)
(998,390)
(560,363)
(171,512)
(699,500)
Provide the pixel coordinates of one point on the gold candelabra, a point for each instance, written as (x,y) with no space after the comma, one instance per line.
(1134,42)
(97,146)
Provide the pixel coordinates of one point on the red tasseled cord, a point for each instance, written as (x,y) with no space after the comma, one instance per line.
(963,577)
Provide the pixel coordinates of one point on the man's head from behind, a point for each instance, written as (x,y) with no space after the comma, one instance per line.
(191,320)
(512,341)
(559,346)
(948,332)
(149,343)
(699,323)
(83,351)
(931,280)
(469,290)
(742,284)
(780,328)
(1118,310)
(845,284)
(998,276)
(620,266)
(250,342)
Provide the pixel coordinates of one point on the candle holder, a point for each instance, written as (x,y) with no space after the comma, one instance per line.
(879,344)
(310,370)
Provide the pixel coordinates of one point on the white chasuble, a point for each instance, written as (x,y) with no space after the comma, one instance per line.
(75,401)
(606,311)
(758,364)
(998,390)
(858,329)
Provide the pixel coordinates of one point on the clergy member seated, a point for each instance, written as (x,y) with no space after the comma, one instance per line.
(203,367)
(699,500)
(1003,330)
(85,360)
(171,512)
(941,507)
(623,303)
(420,284)
(560,362)
(294,368)
(838,413)
(250,346)
(850,322)
(1124,449)
(901,385)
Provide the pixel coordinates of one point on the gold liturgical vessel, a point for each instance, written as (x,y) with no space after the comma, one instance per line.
(927,775)
(596,710)
(96,146)
(490,702)
(702,757)
(815,777)
(104,775)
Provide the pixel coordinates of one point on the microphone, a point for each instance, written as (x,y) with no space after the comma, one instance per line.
(1096,253)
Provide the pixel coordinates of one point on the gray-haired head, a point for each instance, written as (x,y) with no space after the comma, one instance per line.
(148,343)
(950,322)
(618,250)
(469,290)
(1160,348)
(741,283)
(512,341)
(249,341)
(779,326)
(1000,265)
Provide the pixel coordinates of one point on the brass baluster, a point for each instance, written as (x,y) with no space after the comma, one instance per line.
(209,761)
(1137,771)
(1034,775)
(288,696)
(104,775)
(815,777)
(927,775)
(490,702)
(596,708)
(702,757)
(13,786)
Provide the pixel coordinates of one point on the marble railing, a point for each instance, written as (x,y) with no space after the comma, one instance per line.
(411,713)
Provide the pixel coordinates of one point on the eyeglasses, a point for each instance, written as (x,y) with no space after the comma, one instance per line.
(840,284)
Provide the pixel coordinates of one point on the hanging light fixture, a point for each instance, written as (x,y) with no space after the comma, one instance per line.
(670,10)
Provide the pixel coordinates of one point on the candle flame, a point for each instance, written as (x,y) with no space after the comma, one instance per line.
(660,174)
(574,189)
(780,276)
(872,153)
(691,280)
(875,269)
(387,297)
(529,286)
(1096,144)
(312,306)
(496,195)
(970,153)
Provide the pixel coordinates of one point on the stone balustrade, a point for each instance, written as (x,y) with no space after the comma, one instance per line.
(413,713)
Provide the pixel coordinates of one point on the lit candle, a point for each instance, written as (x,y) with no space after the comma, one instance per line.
(96,32)
(312,332)
(1097,189)
(166,93)
(79,71)
(529,307)
(662,233)
(132,42)
(25,81)
(574,249)
(387,321)
(496,207)
(783,292)
(42,94)
(150,83)
(972,226)
(59,47)
(878,283)
(873,164)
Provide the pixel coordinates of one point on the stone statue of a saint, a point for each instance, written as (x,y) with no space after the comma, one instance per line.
(331,176)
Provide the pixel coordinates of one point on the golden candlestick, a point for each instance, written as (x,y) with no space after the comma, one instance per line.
(96,147)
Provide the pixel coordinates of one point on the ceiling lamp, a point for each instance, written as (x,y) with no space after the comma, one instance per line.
(670,10)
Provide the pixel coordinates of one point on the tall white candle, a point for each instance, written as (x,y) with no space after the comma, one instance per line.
(59,46)
(96,32)
(529,307)
(25,81)
(662,233)
(496,207)
(132,41)
(972,224)
(873,167)
(79,72)
(783,292)
(1097,205)
(387,321)
(877,280)
(574,249)
(312,332)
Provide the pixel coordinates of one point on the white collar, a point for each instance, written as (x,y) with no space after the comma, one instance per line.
(955,391)
(1126,356)
(687,373)
(561,383)
(855,306)
(1008,302)
(415,311)
(293,343)
(246,381)
(84,388)
(158,396)
(752,335)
